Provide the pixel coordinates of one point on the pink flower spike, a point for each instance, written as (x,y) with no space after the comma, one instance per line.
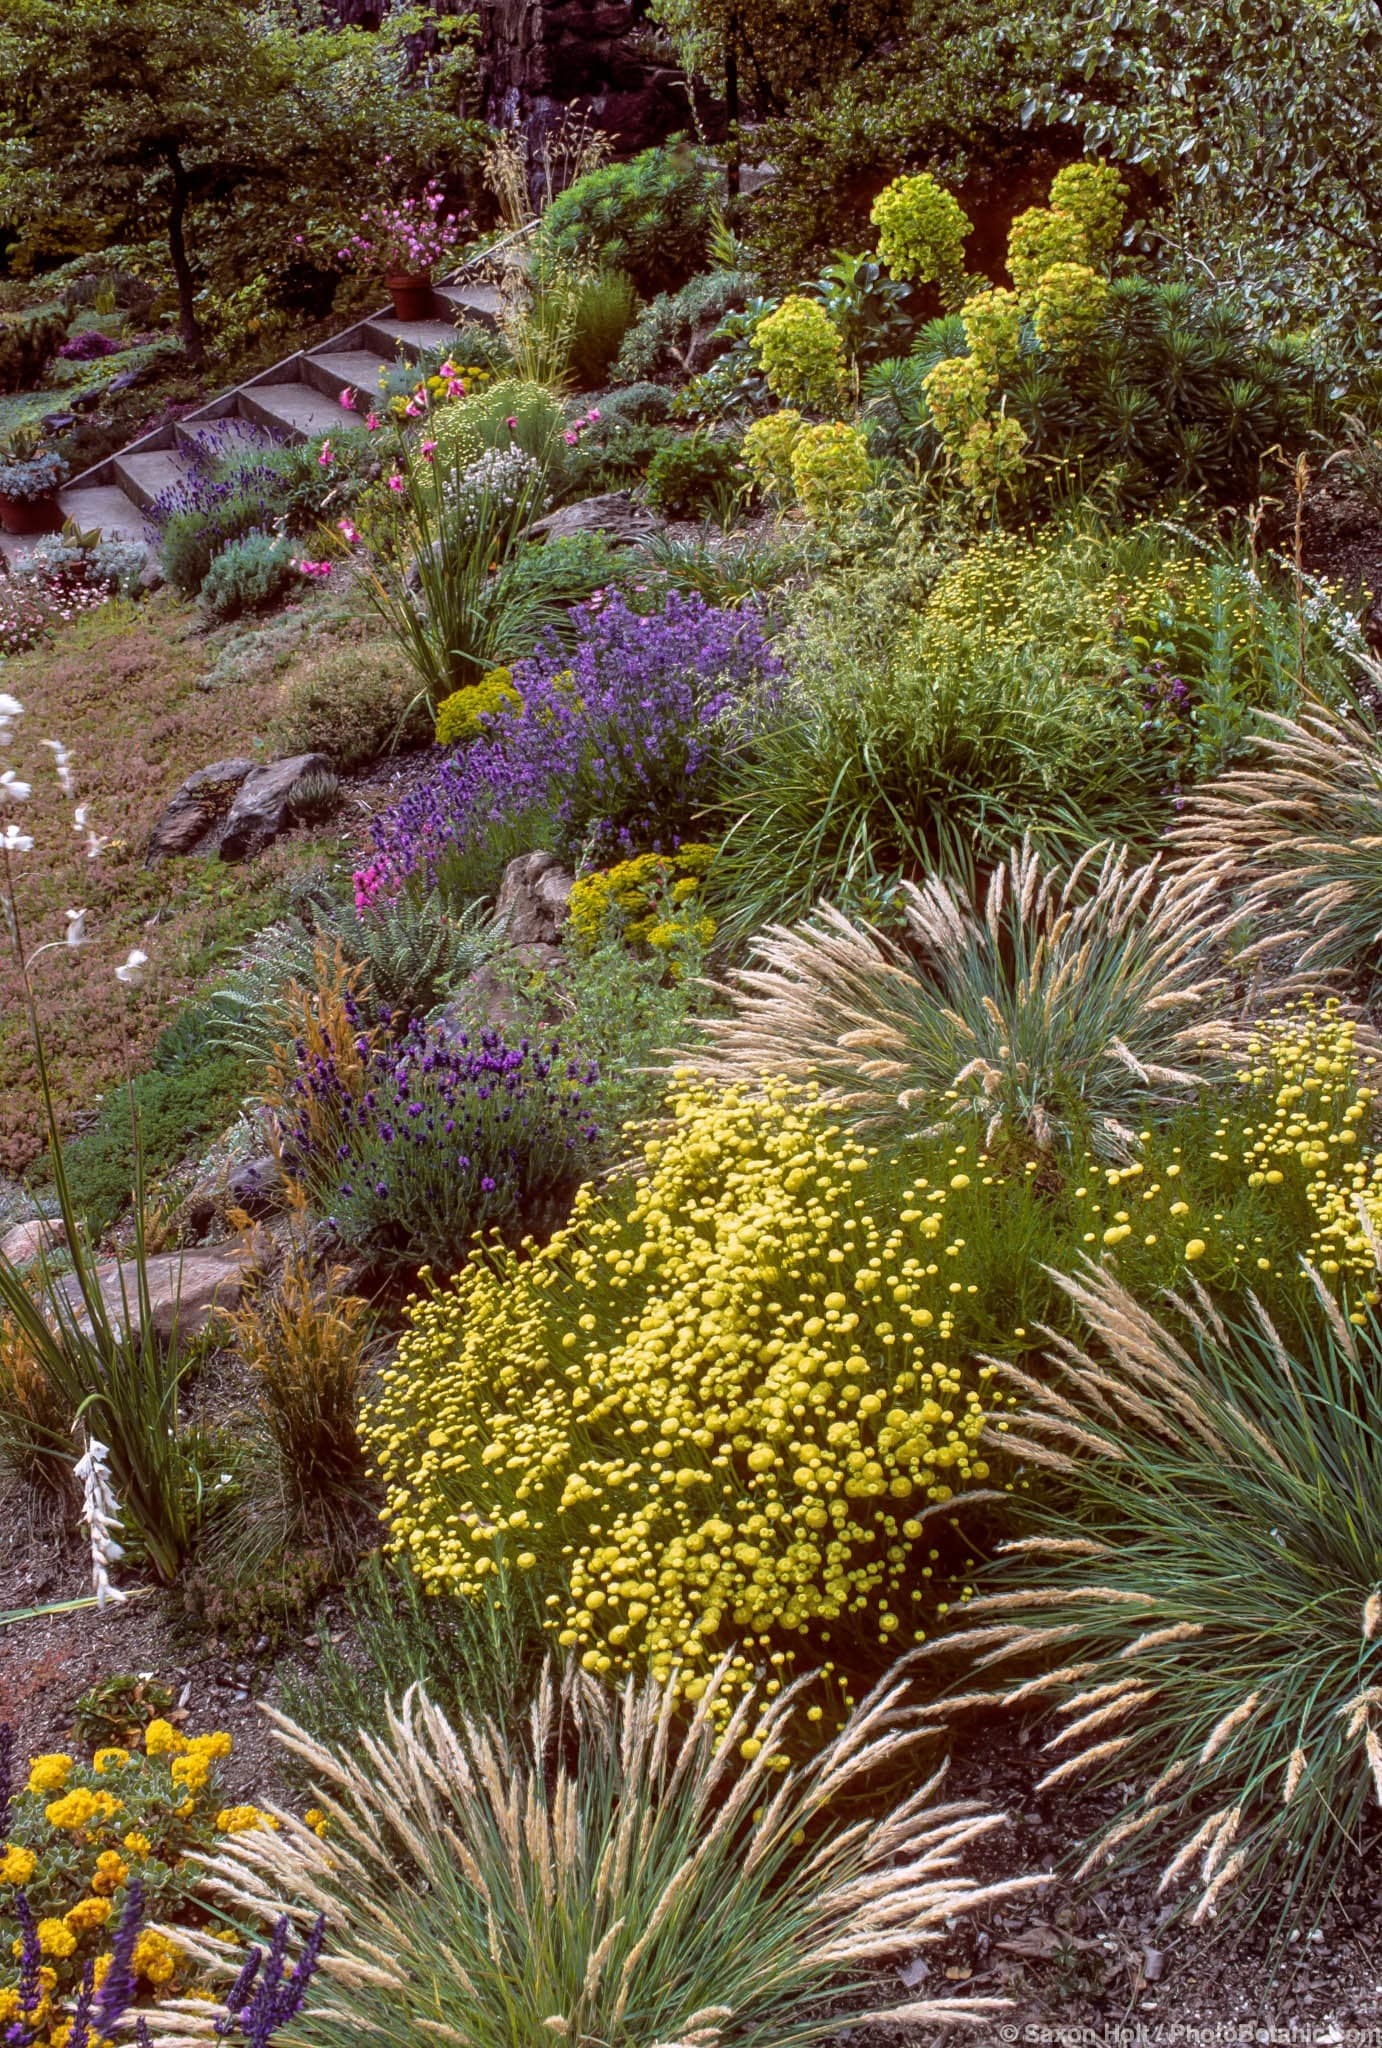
(348,533)
(428,449)
(570,437)
(325,456)
(395,483)
(372,423)
(593,414)
(512,424)
(347,400)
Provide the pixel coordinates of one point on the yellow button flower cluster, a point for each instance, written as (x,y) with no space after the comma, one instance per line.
(716,1408)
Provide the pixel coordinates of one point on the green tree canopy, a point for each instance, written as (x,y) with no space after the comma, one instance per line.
(220,130)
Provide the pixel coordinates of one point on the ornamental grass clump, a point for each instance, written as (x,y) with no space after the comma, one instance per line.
(612,1873)
(717,1409)
(1297,833)
(1204,1602)
(1060,1008)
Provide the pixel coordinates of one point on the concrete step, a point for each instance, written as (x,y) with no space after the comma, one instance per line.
(105,506)
(228,436)
(408,338)
(295,412)
(481,303)
(154,474)
(351,369)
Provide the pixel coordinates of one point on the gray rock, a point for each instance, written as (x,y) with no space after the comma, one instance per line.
(263,805)
(21,1245)
(256,1186)
(191,821)
(613,512)
(185,1288)
(533,899)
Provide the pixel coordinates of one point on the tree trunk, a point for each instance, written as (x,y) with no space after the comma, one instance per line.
(188,325)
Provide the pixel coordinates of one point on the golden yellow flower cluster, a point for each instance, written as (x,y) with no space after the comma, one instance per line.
(716,1408)
(643,900)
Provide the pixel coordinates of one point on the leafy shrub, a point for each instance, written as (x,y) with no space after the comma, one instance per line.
(677,1360)
(604,308)
(1297,831)
(462,715)
(1225,1479)
(767,451)
(921,231)
(658,343)
(619,739)
(411,1147)
(830,470)
(801,354)
(642,900)
(191,540)
(614,458)
(650,217)
(356,704)
(636,405)
(248,575)
(89,1845)
(691,475)
(28,343)
(1060,1009)
(569,568)
(514,1932)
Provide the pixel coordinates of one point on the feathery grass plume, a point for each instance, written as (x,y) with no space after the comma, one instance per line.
(1235,1481)
(613,1873)
(1297,834)
(1059,1009)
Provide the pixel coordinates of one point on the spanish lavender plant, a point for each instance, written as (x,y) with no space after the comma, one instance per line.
(621,740)
(437,1136)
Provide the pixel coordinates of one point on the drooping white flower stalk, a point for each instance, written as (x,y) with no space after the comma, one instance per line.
(12,840)
(62,762)
(10,709)
(101,1513)
(131,967)
(18,792)
(76,927)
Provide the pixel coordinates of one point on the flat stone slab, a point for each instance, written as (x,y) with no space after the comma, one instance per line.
(185,1289)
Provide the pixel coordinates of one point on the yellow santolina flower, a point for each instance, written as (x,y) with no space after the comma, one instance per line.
(111,1872)
(17,1864)
(714,1405)
(49,1773)
(154,1959)
(105,1759)
(642,900)
(238,1820)
(137,1844)
(87,1915)
(318,1821)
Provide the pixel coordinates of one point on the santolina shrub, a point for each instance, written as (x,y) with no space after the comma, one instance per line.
(618,740)
(715,1409)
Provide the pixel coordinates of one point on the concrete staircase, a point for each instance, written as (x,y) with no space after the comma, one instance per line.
(295,400)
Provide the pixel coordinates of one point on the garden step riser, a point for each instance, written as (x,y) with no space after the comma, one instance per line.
(107,507)
(145,478)
(295,411)
(480,303)
(341,370)
(408,338)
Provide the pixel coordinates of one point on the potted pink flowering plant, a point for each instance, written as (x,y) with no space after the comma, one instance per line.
(406,238)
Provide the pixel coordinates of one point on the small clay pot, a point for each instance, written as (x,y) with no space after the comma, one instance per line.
(411,293)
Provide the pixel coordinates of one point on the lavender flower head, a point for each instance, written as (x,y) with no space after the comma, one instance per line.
(619,739)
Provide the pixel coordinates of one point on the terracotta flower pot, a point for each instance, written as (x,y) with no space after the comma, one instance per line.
(30,515)
(411,292)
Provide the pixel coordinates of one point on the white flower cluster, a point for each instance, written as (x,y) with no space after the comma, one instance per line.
(500,480)
(101,1513)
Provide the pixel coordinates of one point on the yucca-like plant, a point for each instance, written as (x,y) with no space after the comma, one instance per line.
(1298,832)
(615,1874)
(1063,1007)
(1214,1636)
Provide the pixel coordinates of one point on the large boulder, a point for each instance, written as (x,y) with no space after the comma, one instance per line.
(23,1242)
(185,1288)
(264,804)
(615,513)
(191,821)
(533,900)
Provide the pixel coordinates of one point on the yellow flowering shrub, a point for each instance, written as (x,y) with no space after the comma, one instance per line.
(1037,239)
(1068,307)
(1096,196)
(957,395)
(643,901)
(921,230)
(460,716)
(77,1833)
(991,457)
(767,451)
(830,470)
(801,354)
(992,322)
(713,1410)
